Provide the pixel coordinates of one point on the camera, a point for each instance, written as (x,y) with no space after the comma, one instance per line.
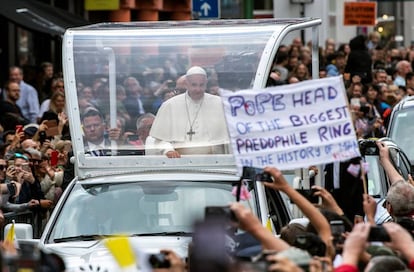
(220,212)
(42,136)
(368,147)
(364,109)
(133,137)
(264,177)
(378,233)
(260,262)
(310,242)
(158,260)
(309,195)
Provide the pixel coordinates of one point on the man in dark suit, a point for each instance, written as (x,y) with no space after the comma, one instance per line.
(94,129)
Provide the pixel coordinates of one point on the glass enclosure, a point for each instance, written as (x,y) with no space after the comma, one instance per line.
(127,72)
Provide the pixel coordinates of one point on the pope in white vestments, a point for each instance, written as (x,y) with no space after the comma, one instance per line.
(192,122)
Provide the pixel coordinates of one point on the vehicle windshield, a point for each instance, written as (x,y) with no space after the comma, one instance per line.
(138,208)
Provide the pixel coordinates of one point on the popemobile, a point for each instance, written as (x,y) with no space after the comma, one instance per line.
(152,189)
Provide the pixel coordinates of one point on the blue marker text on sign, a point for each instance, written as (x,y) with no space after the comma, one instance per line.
(288,127)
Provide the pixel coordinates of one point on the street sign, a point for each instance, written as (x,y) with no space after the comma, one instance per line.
(206,9)
(360,13)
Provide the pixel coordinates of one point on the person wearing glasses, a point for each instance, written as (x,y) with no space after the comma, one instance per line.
(20,169)
(94,129)
(20,173)
(30,193)
(9,191)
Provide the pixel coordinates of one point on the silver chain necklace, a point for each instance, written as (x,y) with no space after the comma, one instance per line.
(191,132)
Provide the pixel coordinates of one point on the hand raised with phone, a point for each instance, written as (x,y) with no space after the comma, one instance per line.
(328,201)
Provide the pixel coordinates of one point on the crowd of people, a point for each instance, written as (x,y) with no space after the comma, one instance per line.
(36,143)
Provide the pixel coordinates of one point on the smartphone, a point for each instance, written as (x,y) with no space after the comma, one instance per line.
(10,168)
(220,212)
(264,177)
(355,102)
(159,261)
(133,137)
(170,84)
(337,229)
(309,195)
(378,233)
(19,128)
(54,158)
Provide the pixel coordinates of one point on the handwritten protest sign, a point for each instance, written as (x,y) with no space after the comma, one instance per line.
(291,126)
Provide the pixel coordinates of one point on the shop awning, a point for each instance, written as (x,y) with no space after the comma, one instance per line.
(39,17)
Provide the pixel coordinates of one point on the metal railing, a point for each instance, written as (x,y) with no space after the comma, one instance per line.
(27,217)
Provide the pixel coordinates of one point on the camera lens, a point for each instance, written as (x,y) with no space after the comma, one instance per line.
(159,261)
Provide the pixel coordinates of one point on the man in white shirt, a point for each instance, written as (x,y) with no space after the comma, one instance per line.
(402,68)
(192,122)
(28,101)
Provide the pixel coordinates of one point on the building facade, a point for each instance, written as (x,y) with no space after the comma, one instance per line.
(32,29)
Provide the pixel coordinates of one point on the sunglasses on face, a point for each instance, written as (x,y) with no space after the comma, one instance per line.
(3,167)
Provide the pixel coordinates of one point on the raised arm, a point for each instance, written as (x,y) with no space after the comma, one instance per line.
(385,160)
(250,223)
(316,218)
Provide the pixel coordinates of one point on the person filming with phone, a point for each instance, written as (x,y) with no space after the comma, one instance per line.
(19,171)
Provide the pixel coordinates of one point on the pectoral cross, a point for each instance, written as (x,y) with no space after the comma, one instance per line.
(191,133)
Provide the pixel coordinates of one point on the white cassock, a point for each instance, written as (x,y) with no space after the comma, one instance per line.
(190,127)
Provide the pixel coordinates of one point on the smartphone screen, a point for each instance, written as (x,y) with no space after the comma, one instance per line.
(337,229)
(170,84)
(19,128)
(355,102)
(133,137)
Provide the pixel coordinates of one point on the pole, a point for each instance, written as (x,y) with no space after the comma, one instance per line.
(302,14)
(248,9)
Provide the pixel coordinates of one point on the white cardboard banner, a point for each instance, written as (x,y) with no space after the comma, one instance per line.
(291,126)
